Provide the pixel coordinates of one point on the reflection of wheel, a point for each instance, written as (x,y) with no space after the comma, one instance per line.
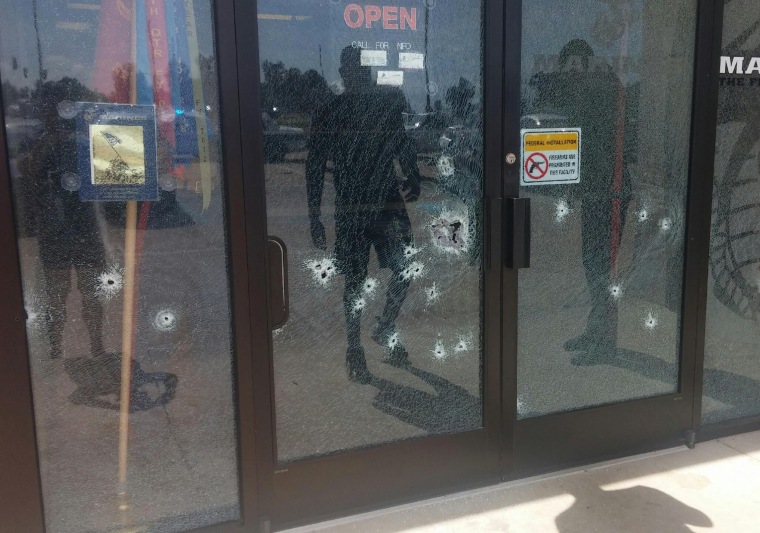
(735,239)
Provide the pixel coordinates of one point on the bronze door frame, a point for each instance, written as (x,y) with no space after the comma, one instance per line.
(323,487)
(511,449)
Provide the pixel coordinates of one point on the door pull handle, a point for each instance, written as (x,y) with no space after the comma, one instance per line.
(495,221)
(518,233)
(279,305)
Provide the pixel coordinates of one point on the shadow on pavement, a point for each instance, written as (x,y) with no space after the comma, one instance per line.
(632,509)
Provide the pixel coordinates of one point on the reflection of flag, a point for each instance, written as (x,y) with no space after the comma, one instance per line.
(159,57)
(144,80)
(148,53)
(201,124)
(182,84)
(113,140)
(113,53)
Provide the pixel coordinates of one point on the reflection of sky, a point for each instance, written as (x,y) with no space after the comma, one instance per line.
(549,25)
(67,39)
(68,32)
(454,41)
(68,36)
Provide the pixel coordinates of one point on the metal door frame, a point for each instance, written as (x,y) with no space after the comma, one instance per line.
(535,445)
(556,441)
(21,505)
(21,489)
(325,487)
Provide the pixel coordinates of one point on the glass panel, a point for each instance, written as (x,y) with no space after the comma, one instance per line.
(373,140)
(600,307)
(155,451)
(732,369)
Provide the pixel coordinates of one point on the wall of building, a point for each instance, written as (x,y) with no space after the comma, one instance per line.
(732,357)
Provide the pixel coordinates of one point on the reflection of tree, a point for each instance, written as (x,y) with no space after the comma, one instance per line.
(46,96)
(291,90)
(288,90)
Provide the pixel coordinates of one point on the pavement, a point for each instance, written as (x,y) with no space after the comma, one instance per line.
(714,487)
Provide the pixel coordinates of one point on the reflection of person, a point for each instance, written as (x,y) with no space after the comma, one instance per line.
(362,133)
(67,228)
(590,96)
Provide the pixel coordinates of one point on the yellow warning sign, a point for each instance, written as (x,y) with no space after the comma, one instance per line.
(552,141)
(550,157)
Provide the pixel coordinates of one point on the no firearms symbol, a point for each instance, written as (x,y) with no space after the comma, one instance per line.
(551,156)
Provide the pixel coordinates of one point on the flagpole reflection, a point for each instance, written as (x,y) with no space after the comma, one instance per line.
(130,246)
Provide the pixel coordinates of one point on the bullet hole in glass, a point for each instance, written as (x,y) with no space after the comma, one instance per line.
(165,320)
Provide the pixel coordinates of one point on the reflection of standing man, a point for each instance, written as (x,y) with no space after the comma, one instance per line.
(362,133)
(66,227)
(589,95)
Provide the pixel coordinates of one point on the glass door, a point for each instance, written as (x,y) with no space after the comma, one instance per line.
(374,181)
(119,187)
(605,138)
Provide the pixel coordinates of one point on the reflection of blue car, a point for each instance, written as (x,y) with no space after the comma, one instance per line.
(281,140)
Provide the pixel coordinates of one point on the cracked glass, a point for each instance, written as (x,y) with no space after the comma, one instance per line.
(127,300)
(372,120)
(732,367)
(600,307)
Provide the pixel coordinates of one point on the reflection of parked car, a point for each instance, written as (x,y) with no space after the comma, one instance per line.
(449,136)
(425,129)
(19,129)
(281,140)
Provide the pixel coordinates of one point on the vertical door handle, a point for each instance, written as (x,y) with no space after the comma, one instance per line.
(279,306)
(517,254)
(495,223)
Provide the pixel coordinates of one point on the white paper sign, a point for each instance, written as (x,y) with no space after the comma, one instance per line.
(374,58)
(411,60)
(390,77)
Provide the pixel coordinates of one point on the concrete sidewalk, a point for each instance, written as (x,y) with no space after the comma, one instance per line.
(715,487)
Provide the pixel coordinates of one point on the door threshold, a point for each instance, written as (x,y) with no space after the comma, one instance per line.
(330,524)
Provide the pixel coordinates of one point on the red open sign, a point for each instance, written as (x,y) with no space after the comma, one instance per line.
(391,17)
